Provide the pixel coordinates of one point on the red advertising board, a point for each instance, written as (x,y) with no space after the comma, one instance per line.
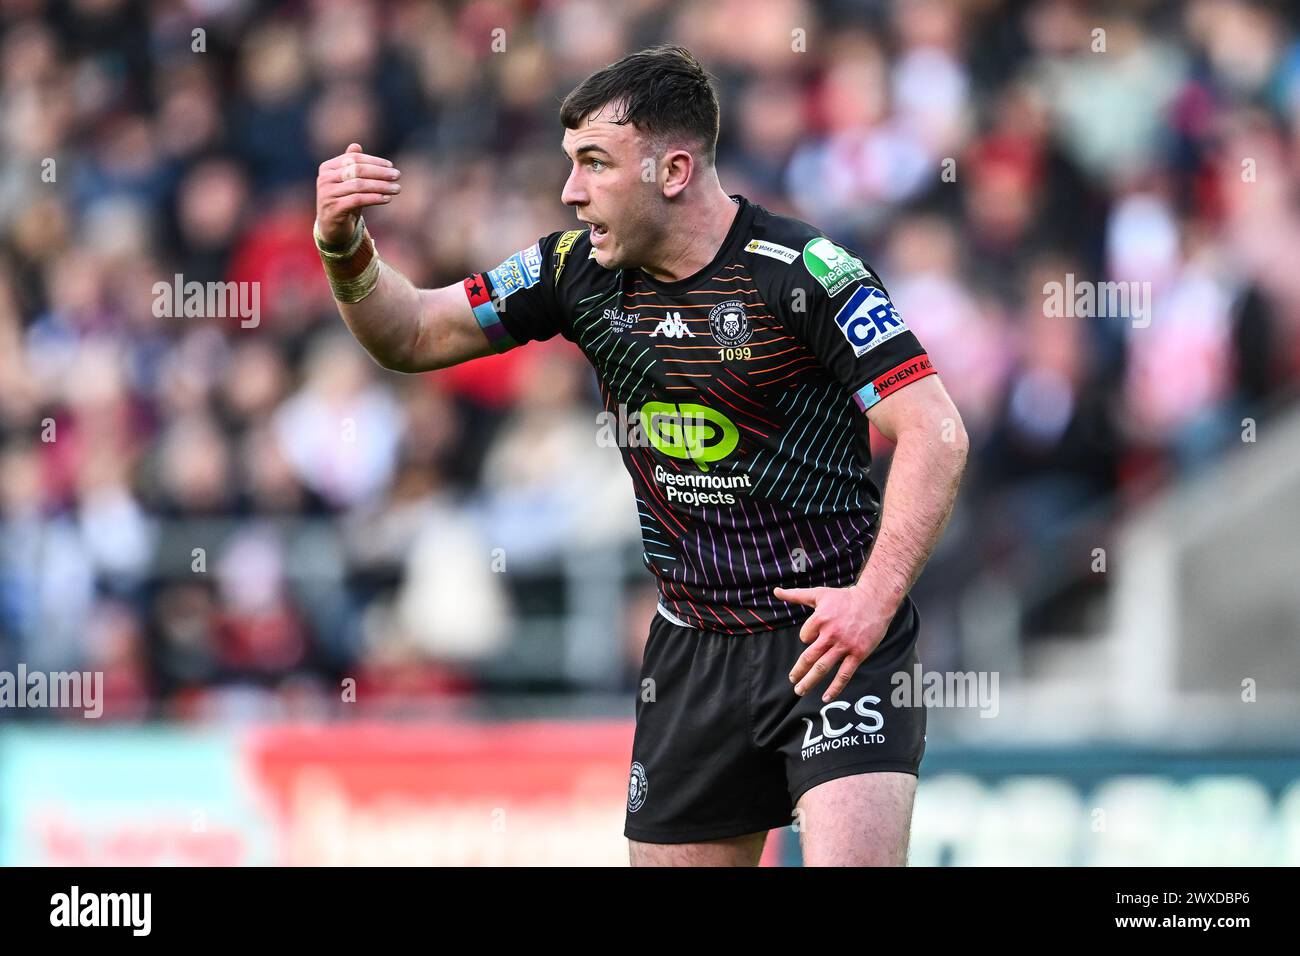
(448,794)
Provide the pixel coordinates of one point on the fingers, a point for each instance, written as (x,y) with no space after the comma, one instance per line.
(808,660)
(350,158)
(345,189)
(841,681)
(348,183)
(806,596)
(811,628)
(342,174)
(355,201)
(335,190)
(815,669)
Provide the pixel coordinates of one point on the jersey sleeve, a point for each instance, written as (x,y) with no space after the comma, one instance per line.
(851,325)
(518,301)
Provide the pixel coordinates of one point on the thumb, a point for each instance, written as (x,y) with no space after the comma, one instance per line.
(806,596)
(353,148)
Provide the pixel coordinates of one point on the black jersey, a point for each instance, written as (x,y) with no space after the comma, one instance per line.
(736,396)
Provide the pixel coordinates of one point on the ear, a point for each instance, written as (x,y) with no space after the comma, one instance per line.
(678,167)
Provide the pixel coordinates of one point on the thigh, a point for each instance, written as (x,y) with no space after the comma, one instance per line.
(696,777)
(862,820)
(868,728)
(736,851)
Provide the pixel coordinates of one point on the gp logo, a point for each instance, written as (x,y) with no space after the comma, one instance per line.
(832,729)
(692,432)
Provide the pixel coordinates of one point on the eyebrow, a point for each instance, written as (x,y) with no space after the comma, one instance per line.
(587,148)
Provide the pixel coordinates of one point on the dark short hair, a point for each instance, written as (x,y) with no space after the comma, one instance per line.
(662,91)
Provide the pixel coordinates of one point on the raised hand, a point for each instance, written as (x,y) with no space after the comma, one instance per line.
(345,185)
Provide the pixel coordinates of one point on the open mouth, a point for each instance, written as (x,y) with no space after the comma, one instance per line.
(598,232)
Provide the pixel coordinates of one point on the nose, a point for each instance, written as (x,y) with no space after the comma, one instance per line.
(574,193)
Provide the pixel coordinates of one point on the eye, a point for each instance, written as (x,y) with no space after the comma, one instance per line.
(596,165)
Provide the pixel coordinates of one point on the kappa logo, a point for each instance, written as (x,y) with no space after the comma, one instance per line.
(638,785)
(868,319)
(729,323)
(672,327)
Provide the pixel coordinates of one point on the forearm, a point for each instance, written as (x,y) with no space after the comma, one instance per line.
(387,321)
(919,497)
(378,304)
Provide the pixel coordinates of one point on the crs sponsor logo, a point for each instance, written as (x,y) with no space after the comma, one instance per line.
(619,320)
(868,319)
(638,785)
(839,729)
(729,324)
(520,271)
(692,432)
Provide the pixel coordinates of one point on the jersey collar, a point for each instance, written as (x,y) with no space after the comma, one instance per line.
(727,252)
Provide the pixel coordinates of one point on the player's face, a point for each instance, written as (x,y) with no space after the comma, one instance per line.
(625,214)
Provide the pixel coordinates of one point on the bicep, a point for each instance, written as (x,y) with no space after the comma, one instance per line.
(924,403)
(449,333)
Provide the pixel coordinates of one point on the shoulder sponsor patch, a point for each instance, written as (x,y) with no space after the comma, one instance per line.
(532,260)
(867,319)
(520,271)
(562,249)
(832,265)
(772,250)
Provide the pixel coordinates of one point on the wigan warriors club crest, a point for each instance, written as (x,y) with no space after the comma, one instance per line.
(729,324)
(637,787)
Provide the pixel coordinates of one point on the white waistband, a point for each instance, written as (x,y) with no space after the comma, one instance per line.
(672,618)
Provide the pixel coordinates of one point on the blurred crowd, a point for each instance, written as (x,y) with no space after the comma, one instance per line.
(226,516)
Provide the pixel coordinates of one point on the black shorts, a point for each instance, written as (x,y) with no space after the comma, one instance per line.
(725,747)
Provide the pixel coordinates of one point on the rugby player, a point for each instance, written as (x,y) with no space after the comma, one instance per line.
(753,352)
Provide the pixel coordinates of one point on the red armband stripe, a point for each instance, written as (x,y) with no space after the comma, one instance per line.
(902,374)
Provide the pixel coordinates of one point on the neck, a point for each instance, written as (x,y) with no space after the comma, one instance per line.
(695,236)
